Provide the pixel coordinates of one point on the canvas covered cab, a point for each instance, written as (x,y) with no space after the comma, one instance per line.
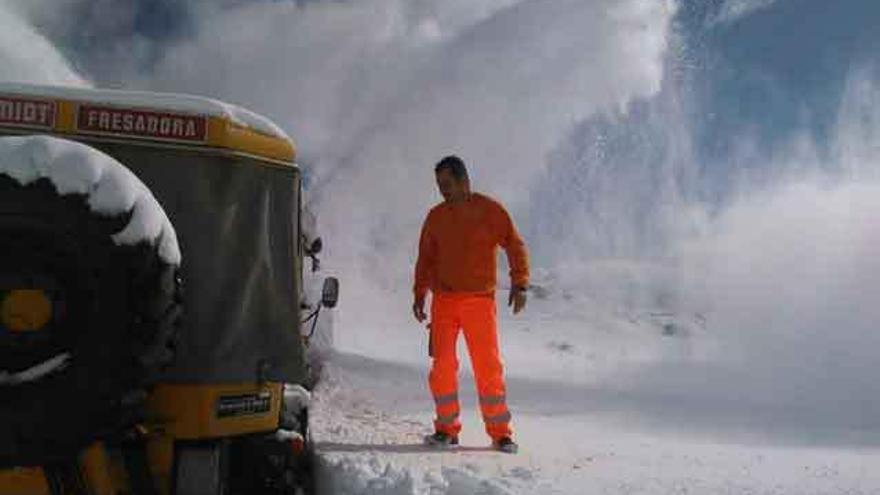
(151,289)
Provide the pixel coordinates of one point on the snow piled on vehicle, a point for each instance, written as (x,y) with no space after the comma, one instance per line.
(195,105)
(112,189)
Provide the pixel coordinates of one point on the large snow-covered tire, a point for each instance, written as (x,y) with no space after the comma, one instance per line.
(116,305)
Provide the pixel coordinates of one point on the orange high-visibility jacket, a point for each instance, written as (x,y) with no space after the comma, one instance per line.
(458,245)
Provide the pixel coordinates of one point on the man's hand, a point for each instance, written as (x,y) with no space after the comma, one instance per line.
(517,299)
(419,310)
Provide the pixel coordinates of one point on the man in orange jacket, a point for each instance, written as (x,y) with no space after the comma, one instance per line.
(457,263)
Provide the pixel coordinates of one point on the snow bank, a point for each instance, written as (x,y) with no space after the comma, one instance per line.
(112,189)
(375,474)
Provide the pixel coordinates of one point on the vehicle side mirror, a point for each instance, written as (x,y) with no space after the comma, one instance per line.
(316,247)
(330,292)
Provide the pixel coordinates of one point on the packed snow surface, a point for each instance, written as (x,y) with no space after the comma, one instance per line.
(112,189)
(603,402)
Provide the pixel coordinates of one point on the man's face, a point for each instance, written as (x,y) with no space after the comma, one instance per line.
(451,188)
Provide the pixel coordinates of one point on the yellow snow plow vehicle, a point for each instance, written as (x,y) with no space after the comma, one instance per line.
(151,291)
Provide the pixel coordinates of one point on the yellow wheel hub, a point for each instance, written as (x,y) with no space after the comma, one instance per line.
(25,310)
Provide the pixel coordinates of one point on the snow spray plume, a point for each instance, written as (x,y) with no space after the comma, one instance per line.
(786,277)
(377,91)
(768,244)
(787,269)
(26,56)
(575,114)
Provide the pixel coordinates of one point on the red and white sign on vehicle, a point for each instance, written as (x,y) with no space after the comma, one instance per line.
(141,123)
(19,112)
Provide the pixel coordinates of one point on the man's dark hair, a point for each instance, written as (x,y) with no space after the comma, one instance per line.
(454,165)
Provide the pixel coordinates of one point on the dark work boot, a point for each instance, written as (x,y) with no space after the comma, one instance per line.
(440,439)
(506,444)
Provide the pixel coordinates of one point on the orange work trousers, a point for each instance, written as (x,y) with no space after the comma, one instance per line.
(476,315)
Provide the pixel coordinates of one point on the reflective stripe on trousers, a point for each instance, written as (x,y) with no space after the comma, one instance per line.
(502,418)
(448,420)
(447,399)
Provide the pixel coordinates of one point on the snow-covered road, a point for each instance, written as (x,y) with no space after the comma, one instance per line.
(370,415)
